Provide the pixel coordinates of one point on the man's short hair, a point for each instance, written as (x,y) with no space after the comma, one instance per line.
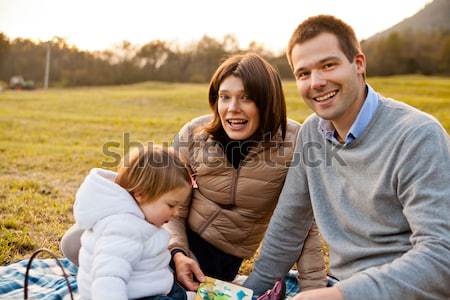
(313,26)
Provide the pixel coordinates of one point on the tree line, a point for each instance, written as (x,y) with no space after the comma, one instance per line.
(409,52)
(398,53)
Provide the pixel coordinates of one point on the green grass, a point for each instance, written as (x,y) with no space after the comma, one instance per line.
(49,140)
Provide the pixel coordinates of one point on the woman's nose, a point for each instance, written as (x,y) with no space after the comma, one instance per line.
(234,104)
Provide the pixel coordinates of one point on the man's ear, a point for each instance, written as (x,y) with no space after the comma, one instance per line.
(360,62)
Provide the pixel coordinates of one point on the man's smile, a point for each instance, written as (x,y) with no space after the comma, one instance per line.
(325,96)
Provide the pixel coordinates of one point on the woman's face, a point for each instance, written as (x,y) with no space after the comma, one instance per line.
(238,114)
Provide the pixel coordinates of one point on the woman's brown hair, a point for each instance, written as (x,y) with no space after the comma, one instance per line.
(151,171)
(262,84)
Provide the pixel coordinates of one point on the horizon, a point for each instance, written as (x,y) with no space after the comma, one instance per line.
(79,23)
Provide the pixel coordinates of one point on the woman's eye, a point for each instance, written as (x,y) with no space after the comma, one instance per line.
(245,98)
(223,97)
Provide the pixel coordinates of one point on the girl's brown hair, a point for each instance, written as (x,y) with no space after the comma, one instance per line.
(262,84)
(151,171)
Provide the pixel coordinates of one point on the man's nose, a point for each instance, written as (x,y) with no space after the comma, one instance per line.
(317,80)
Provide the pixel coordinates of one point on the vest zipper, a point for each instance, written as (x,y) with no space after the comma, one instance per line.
(234,182)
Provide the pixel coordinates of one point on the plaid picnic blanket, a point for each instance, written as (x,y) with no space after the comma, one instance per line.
(46,281)
(292,287)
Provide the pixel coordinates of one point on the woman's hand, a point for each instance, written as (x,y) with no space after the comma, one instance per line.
(186,268)
(331,293)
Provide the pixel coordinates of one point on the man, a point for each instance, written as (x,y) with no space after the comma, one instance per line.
(375,173)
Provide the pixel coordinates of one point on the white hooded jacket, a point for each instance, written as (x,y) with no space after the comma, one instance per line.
(122,256)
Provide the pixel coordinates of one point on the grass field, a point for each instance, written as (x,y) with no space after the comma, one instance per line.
(50,139)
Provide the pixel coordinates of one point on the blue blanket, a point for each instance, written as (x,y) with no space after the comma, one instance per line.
(46,281)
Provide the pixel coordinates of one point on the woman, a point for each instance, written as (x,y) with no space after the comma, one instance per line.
(239,158)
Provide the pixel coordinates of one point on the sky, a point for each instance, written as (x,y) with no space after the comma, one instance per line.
(101,24)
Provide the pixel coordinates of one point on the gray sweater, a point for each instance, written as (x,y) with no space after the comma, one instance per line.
(382,203)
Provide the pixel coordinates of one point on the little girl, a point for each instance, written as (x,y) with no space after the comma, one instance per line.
(124,251)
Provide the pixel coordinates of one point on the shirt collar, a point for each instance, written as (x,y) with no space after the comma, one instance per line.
(366,113)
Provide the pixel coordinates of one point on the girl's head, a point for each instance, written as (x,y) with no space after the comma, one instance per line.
(158,181)
(246,97)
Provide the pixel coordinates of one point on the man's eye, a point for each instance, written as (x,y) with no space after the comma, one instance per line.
(303,75)
(328,66)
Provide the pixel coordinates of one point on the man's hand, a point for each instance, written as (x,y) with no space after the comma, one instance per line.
(186,269)
(331,293)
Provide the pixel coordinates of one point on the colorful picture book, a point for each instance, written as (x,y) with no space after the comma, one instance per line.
(215,289)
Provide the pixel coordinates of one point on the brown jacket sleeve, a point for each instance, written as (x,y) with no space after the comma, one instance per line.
(177,226)
(311,264)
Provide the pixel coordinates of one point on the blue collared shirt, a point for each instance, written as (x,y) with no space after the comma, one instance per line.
(366,113)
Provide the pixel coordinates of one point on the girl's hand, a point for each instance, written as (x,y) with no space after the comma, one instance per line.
(186,268)
(331,293)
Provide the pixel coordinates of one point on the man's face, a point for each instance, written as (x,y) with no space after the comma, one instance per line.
(330,85)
